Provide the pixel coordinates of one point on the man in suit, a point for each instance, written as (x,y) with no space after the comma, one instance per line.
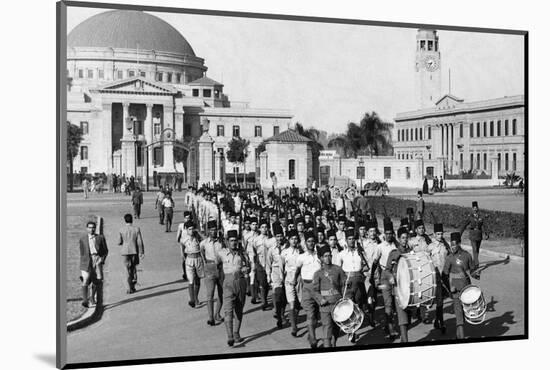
(137,201)
(132,251)
(93,252)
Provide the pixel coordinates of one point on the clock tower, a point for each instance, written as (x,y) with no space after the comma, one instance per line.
(427,68)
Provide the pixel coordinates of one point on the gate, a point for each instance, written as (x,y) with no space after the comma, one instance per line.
(324,174)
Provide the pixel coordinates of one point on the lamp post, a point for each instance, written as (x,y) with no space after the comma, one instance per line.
(361,173)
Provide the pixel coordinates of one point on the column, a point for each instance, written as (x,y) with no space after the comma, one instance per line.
(125,119)
(149,124)
(442,140)
(452,147)
(127,143)
(107,136)
(217,167)
(206,145)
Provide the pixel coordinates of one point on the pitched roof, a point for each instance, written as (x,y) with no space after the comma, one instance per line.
(289,136)
(205,81)
(457,99)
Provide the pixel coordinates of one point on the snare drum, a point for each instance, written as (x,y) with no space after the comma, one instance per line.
(347,315)
(416,280)
(473,304)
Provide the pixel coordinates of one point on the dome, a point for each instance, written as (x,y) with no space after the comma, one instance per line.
(128,29)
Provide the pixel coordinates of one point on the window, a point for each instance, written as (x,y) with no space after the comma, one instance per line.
(492,129)
(207,93)
(101,75)
(143,74)
(398,156)
(90,73)
(412,134)
(471,161)
(221,130)
(429,155)
(157,156)
(178,78)
(84,128)
(275,130)
(169,77)
(398,135)
(478,130)
(420,131)
(472,129)
(236,170)
(416,134)
(430,45)
(514,127)
(187,130)
(360,172)
(429,133)
(478,160)
(119,75)
(83,152)
(195,92)
(514,161)
(216,93)
(83,169)
(499,160)
(139,155)
(131,73)
(158,77)
(485,161)
(498,128)
(506,161)
(292,169)
(80,73)
(461,161)
(258,131)
(236,131)
(506,129)
(485,129)
(461,130)
(220,150)
(407,135)
(387,172)
(156,129)
(408,172)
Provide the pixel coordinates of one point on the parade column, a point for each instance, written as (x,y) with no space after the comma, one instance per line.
(206,158)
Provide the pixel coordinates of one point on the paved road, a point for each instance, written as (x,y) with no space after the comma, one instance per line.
(156,321)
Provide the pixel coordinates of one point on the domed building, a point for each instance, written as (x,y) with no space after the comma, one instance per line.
(135,85)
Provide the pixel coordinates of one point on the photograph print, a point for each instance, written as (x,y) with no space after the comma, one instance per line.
(242,185)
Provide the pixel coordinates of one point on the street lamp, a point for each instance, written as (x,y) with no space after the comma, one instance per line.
(361,172)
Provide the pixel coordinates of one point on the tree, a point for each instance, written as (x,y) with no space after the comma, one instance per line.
(237,153)
(74,137)
(371,136)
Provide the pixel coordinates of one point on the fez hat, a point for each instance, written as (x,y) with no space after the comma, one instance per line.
(299,220)
(321,229)
(438,228)
(474,204)
(189,224)
(418,223)
(350,225)
(247,219)
(341,219)
(387,219)
(330,233)
(402,231)
(317,213)
(419,192)
(322,250)
(350,232)
(253,219)
(308,235)
(292,233)
(309,225)
(404,222)
(263,221)
(212,224)
(388,226)
(455,236)
(277,229)
(232,234)
(371,225)
(187,213)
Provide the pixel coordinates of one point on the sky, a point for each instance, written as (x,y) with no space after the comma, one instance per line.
(330,74)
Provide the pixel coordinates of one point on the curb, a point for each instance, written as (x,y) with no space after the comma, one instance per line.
(91,315)
(490,253)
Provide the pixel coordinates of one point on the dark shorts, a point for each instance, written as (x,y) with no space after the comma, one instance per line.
(308,302)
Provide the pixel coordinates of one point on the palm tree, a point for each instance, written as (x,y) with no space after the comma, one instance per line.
(74,137)
(313,134)
(371,136)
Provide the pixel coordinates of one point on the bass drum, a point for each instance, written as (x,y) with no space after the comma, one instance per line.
(347,315)
(416,280)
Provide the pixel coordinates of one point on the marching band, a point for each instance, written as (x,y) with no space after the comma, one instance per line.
(322,253)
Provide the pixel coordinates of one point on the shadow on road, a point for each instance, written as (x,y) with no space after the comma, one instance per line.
(160,285)
(486,265)
(138,297)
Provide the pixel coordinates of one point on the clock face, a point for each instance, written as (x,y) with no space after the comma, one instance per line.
(431,64)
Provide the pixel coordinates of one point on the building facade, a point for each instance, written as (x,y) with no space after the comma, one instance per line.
(464,136)
(137,90)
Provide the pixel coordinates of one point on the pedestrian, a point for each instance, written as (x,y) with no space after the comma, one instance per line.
(474,222)
(137,201)
(159,206)
(85,185)
(194,265)
(434,185)
(441,183)
(328,286)
(425,186)
(168,206)
(93,253)
(420,206)
(115,183)
(132,251)
(457,269)
(235,268)
(213,274)
(438,251)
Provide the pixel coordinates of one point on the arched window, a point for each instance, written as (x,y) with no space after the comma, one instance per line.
(292,169)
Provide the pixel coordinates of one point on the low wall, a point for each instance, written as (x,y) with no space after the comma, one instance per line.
(473,183)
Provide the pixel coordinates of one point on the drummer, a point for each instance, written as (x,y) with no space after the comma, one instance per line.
(420,242)
(354,264)
(402,248)
(438,251)
(458,265)
(372,254)
(386,277)
(306,265)
(328,285)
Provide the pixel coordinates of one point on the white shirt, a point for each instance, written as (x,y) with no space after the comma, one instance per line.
(167,203)
(372,252)
(385,248)
(309,263)
(350,260)
(289,257)
(91,242)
